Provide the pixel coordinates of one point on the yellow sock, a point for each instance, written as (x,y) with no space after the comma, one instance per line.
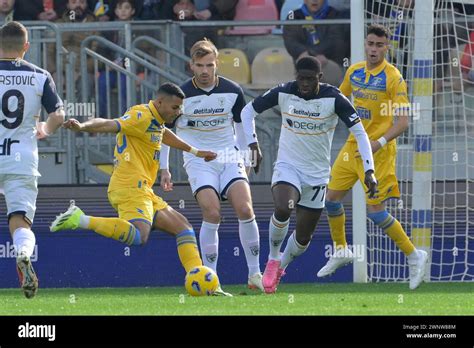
(187,250)
(337,223)
(338,230)
(397,234)
(115,228)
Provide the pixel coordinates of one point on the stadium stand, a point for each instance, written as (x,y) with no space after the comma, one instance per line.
(254,10)
(288,6)
(233,63)
(271,67)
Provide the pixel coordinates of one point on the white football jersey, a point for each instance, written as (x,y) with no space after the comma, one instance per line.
(208,117)
(24,88)
(308,125)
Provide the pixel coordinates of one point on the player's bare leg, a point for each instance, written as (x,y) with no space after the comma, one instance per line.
(24,241)
(171,221)
(285,197)
(342,255)
(241,200)
(417,259)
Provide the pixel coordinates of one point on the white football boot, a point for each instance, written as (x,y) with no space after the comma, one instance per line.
(255,282)
(417,268)
(340,258)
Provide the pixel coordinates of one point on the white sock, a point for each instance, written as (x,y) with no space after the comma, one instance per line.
(413,256)
(84,221)
(292,250)
(209,243)
(24,241)
(277,231)
(250,239)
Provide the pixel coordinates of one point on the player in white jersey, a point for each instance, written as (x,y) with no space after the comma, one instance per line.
(210,118)
(310,111)
(24,88)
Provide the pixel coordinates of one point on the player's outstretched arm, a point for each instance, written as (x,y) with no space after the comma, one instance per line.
(96,125)
(54,121)
(172,140)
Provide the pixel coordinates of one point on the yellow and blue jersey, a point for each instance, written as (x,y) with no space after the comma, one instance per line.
(137,153)
(379,94)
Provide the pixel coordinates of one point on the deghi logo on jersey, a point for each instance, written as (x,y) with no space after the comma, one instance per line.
(207,123)
(305,125)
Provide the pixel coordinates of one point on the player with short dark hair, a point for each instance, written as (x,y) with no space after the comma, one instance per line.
(140,133)
(310,111)
(24,88)
(376,85)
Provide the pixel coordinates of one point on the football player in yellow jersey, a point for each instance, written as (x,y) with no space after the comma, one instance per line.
(380,97)
(140,133)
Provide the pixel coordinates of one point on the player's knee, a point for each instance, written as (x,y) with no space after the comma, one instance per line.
(282,212)
(245,212)
(16,221)
(335,195)
(334,208)
(381,218)
(212,215)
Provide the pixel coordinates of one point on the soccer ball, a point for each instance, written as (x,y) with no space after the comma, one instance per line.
(201,281)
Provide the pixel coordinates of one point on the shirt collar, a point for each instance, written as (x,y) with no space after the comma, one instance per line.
(377,70)
(155,113)
(193,80)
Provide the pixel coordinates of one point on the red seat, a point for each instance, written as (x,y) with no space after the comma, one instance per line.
(254,10)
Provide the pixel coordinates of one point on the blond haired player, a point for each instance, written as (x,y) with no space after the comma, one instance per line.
(375,85)
(211,118)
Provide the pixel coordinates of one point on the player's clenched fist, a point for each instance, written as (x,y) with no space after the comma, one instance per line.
(73,124)
(256,156)
(371,182)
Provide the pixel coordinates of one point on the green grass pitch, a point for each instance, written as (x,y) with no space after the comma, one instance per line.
(291,299)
